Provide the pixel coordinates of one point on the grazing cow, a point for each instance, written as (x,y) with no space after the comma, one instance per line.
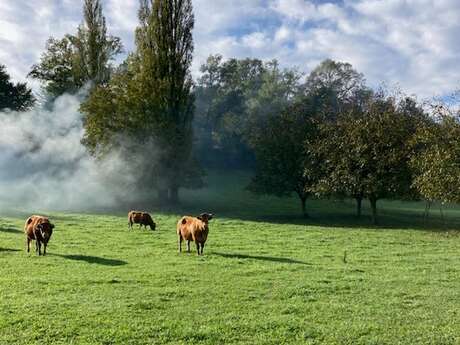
(40,229)
(141,218)
(193,229)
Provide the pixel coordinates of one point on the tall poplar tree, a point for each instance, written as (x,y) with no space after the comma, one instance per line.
(95,47)
(147,107)
(164,51)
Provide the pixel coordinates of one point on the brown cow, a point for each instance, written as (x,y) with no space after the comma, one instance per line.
(40,229)
(193,229)
(141,218)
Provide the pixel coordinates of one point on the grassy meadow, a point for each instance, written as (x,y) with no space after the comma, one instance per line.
(267,275)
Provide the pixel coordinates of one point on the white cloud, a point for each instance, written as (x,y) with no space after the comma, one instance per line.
(282,34)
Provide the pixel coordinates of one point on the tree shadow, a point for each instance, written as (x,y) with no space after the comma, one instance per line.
(262,258)
(9,250)
(9,229)
(340,214)
(93,259)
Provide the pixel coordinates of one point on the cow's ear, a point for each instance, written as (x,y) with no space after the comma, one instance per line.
(210,216)
(52,226)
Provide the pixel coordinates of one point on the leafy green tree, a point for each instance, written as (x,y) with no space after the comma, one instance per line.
(283,166)
(165,50)
(436,158)
(340,77)
(58,68)
(288,156)
(71,62)
(367,152)
(149,102)
(16,97)
(95,47)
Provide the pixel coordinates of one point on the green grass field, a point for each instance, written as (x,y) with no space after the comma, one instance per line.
(267,275)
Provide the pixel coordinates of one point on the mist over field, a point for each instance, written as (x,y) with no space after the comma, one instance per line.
(45,166)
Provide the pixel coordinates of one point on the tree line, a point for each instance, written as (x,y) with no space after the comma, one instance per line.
(325,134)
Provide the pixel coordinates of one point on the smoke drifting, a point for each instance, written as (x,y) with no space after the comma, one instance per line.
(44,165)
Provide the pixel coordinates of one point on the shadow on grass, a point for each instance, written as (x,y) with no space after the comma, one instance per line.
(262,258)
(332,213)
(335,216)
(388,219)
(8,250)
(9,229)
(93,259)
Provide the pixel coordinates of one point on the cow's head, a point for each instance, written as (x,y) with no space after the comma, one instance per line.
(205,217)
(46,230)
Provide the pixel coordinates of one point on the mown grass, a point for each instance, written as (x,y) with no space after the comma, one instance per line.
(268,276)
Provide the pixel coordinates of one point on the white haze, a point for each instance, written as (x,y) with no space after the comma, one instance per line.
(44,165)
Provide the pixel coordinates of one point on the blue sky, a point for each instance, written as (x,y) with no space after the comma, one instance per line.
(412,44)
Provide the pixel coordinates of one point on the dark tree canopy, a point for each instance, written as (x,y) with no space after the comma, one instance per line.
(233,98)
(284,166)
(15,97)
(367,152)
(339,77)
(286,150)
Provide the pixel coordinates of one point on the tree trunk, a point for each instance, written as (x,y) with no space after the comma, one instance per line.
(373,201)
(303,200)
(359,201)
(162,195)
(174,195)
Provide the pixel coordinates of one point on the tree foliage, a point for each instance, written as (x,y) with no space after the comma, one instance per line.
(149,102)
(69,63)
(436,158)
(58,68)
(288,159)
(337,86)
(234,97)
(367,152)
(283,165)
(15,97)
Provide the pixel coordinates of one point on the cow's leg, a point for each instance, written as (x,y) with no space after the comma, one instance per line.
(188,246)
(202,247)
(28,244)
(197,248)
(38,247)
(44,248)
(179,240)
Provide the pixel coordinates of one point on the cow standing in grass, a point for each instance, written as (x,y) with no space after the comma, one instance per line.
(193,229)
(40,229)
(141,218)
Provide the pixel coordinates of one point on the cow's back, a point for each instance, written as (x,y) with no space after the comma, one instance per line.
(31,224)
(135,217)
(192,229)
